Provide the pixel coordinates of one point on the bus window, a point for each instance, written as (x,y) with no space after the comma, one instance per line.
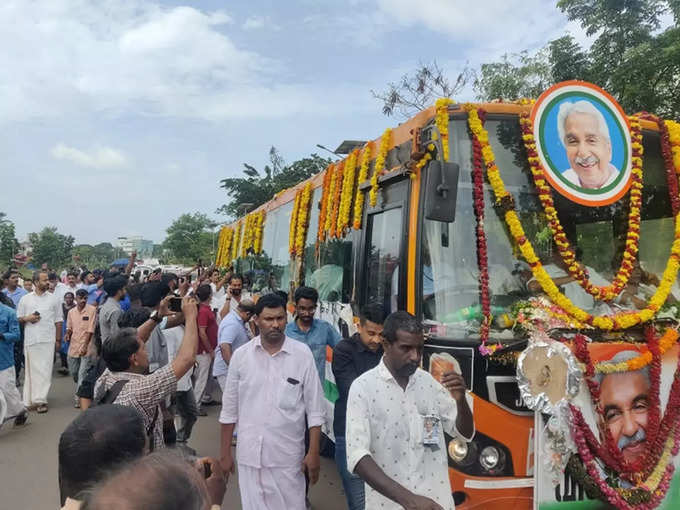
(275,247)
(450,274)
(383,252)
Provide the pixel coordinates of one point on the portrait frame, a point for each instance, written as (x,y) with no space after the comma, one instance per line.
(552,151)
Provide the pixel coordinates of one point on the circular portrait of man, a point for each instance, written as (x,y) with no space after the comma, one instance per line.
(583,141)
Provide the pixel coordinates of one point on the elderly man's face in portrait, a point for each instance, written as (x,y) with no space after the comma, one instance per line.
(624,398)
(588,150)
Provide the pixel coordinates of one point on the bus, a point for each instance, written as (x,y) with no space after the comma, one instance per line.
(415,249)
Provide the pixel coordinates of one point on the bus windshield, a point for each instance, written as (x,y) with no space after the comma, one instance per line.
(450,274)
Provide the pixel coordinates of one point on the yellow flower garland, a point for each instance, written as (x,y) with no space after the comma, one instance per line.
(363,175)
(329,201)
(236,241)
(622,320)
(303,219)
(666,342)
(674,138)
(293,223)
(259,231)
(441,120)
(385,142)
(348,187)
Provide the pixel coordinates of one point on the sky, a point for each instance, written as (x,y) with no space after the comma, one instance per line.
(118,116)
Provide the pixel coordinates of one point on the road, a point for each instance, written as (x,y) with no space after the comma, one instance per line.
(28,458)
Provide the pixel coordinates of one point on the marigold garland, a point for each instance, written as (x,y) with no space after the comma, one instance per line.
(236,240)
(441,120)
(303,219)
(381,158)
(223,256)
(666,342)
(360,197)
(337,191)
(621,320)
(348,187)
(545,195)
(258,232)
(329,202)
(293,223)
(674,139)
(323,211)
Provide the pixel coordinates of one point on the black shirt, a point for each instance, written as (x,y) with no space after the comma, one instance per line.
(351,358)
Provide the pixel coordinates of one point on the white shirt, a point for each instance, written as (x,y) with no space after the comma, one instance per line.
(270,410)
(218,297)
(173,338)
(60,291)
(43,331)
(386,422)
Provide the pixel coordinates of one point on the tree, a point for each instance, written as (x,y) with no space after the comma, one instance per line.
(415,92)
(190,237)
(9,246)
(51,248)
(97,256)
(516,75)
(629,57)
(258,187)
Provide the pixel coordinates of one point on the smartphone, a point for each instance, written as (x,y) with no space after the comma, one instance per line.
(175,304)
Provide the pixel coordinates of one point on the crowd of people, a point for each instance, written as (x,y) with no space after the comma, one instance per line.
(147,354)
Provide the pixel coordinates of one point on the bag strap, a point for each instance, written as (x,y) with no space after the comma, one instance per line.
(110,396)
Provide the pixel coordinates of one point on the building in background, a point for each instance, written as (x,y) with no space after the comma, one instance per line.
(143,247)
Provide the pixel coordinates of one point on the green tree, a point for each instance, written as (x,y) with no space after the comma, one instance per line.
(257,187)
(9,246)
(630,57)
(190,237)
(51,248)
(97,256)
(516,75)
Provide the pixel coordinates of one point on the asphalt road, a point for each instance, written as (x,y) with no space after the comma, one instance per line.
(28,458)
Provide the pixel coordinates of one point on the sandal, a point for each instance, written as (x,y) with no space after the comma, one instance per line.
(42,409)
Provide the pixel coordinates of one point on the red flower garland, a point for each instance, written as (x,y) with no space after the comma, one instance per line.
(576,270)
(482,258)
(666,152)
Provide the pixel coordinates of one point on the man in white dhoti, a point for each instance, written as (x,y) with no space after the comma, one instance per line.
(272,386)
(42,316)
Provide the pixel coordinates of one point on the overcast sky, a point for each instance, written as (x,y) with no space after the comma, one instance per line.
(117,116)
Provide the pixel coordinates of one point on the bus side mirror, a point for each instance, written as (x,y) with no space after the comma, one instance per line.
(441,190)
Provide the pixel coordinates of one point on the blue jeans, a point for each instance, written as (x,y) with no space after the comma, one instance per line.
(353,484)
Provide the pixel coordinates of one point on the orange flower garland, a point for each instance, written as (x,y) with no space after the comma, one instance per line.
(222,258)
(568,255)
(666,342)
(348,186)
(323,212)
(293,224)
(363,175)
(303,219)
(622,320)
(337,191)
(332,183)
(381,158)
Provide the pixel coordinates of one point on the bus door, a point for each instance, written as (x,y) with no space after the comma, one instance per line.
(383,266)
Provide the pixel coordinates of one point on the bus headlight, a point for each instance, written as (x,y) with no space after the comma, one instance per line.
(458,450)
(492,459)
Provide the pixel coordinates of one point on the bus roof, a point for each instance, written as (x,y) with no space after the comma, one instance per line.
(403,133)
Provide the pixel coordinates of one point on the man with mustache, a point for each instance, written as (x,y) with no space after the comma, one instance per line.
(234,295)
(584,133)
(624,401)
(389,409)
(272,386)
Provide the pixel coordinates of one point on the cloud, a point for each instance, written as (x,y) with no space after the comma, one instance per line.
(259,22)
(100,157)
(112,57)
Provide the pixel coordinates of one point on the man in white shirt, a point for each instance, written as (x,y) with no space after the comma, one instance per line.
(407,467)
(56,287)
(42,316)
(272,386)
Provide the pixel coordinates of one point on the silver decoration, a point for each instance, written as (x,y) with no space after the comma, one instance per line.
(540,369)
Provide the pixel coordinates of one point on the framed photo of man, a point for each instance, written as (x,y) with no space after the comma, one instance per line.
(583,141)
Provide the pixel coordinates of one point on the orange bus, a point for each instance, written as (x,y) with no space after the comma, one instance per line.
(415,249)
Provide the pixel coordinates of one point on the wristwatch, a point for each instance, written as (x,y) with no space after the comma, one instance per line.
(155,317)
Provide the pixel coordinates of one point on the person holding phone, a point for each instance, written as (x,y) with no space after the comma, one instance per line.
(80,324)
(41,314)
